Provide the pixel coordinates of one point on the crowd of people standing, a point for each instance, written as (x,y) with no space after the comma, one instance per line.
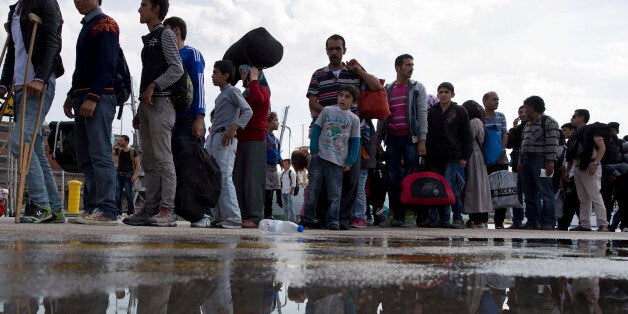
(423,131)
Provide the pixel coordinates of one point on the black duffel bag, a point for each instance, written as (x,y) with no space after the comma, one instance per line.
(257,48)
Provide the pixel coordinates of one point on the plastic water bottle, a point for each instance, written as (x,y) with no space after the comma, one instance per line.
(270,226)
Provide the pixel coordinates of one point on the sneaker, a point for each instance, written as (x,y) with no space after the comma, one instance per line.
(359,223)
(410,223)
(95,218)
(391,222)
(624,230)
(57,217)
(333,226)
(369,222)
(457,224)
(36,214)
(481,225)
(548,227)
(580,228)
(230,225)
(249,224)
(470,224)
(603,229)
(164,218)
(514,227)
(205,222)
(139,219)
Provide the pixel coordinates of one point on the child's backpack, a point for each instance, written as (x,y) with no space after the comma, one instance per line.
(492,146)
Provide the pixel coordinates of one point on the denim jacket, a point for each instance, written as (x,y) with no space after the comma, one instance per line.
(416,114)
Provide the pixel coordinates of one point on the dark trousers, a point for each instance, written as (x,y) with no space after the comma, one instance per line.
(571,205)
(268,202)
(608,195)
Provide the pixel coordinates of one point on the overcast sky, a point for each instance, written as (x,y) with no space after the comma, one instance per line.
(574,54)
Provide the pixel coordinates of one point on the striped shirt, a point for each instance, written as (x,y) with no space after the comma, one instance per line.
(325,84)
(398,123)
(498,120)
(534,143)
(171,53)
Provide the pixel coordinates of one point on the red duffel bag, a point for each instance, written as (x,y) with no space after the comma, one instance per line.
(426,188)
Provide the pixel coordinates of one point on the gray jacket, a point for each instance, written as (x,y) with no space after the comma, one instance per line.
(416,114)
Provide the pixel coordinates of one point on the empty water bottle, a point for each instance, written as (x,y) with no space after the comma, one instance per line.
(270,226)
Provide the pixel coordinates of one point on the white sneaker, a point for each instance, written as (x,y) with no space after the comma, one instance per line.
(205,222)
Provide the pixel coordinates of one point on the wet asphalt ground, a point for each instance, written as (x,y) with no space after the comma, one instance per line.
(65,268)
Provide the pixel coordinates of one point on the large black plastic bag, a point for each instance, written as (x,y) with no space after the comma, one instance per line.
(256,48)
(198,183)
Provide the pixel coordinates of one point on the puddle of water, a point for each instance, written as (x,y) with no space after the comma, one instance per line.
(291,275)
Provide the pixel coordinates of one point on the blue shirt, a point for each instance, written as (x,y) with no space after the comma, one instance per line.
(194,64)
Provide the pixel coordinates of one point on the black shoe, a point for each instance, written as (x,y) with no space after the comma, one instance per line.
(333,226)
(310,224)
(344,225)
(547,227)
(141,218)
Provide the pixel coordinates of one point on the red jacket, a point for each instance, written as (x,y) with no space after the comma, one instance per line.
(259,100)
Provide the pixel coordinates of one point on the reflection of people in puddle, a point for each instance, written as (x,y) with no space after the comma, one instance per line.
(270,297)
(81,303)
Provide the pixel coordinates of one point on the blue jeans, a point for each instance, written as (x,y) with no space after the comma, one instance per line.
(359,206)
(329,175)
(124,181)
(39,169)
(287,201)
(538,193)
(450,171)
(227,208)
(398,148)
(94,155)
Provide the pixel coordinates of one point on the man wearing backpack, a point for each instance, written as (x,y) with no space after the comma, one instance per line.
(586,151)
(128,169)
(494,146)
(161,68)
(92,103)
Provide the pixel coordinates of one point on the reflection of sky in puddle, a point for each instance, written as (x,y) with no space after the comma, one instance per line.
(400,275)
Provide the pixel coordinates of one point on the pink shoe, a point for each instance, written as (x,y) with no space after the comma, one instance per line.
(358,223)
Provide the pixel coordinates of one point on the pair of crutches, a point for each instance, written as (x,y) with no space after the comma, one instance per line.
(25,151)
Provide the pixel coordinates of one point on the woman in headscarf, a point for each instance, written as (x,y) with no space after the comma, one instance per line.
(477,196)
(249,171)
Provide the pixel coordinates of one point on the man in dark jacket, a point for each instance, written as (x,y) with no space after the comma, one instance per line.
(46,66)
(449,147)
(93,100)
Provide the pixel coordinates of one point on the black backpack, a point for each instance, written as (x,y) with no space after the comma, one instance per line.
(182,92)
(123,82)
